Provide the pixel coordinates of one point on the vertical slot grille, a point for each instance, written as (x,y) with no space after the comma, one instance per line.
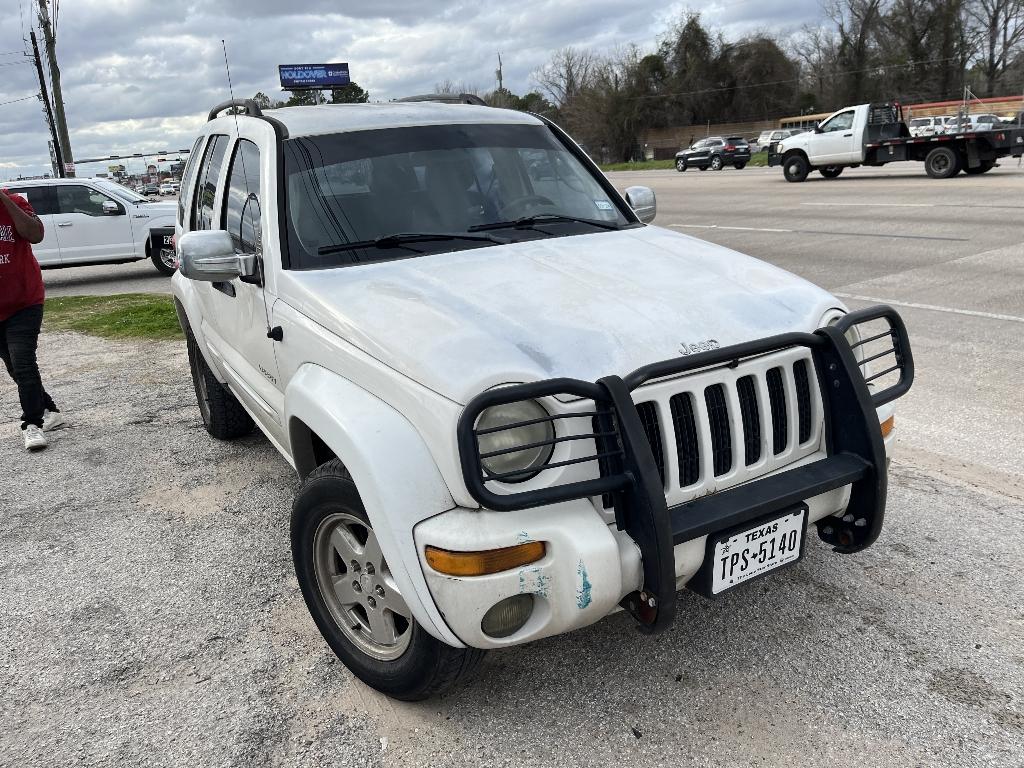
(687,442)
(777,403)
(718,421)
(747,393)
(803,399)
(649,418)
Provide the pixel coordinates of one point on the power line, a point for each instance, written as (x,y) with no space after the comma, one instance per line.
(15,101)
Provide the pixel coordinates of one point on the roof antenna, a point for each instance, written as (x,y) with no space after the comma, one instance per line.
(272,333)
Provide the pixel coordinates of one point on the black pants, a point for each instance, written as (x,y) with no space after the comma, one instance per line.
(19,335)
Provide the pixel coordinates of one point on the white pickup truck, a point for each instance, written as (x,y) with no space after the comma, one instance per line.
(96,221)
(515,407)
(875,135)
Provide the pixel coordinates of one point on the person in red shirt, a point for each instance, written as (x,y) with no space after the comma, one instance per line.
(21,316)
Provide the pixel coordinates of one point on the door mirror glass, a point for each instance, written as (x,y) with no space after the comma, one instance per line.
(643,203)
(110,208)
(209,255)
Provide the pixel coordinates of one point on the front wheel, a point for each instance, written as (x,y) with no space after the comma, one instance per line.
(716,163)
(740,166)
(831,171)
(795,168)
(164,260)
(353,598)
(680,165)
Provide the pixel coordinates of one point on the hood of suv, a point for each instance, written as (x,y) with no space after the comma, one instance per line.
(584,306)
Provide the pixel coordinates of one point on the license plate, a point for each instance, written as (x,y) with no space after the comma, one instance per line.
(755,551)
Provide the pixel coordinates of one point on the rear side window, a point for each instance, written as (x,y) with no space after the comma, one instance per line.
(241,200)
(206,190)
(186,179)
(42,199)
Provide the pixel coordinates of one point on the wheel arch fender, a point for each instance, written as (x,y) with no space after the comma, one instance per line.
(397,478)
(791,152)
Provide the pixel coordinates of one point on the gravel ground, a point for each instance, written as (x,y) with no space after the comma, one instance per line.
(150,617)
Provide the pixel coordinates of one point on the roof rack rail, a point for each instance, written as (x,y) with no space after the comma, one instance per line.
(448,98)
(251,108)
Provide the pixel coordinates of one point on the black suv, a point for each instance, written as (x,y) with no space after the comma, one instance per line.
(714,152)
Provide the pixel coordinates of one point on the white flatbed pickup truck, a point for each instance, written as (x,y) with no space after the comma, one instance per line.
(875,135)
(87,222)
(515,406)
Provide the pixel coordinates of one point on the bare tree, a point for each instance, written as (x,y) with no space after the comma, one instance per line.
(569,72)
(1000,30)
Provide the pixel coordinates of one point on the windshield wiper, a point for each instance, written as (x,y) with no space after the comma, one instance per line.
(541,218)
(400,239)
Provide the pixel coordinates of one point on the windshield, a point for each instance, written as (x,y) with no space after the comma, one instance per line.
(362,186)
(120,191)
(920,121)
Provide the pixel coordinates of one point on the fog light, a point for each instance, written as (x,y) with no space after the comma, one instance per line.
(507,616)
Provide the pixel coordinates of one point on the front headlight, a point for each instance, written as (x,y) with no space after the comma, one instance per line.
(502,444)
(852,337)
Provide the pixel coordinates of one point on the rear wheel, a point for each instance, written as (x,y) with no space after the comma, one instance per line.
(703,168)
(680,165)
(831,171)
(942,163)
(223,416)
(716,163)
(740,166)
(985,167)
(354,600)
(795,168)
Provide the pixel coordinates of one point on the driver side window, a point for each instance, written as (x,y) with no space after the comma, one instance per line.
(78,198)
(841,122)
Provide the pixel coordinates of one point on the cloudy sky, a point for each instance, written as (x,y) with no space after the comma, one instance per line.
(139,75)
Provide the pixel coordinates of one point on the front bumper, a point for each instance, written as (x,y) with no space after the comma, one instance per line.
(853,461)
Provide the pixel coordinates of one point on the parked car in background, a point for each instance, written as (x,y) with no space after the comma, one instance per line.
(97,221)
(152,189)
(928,126)
(767,137)
(714,152)
(167,189)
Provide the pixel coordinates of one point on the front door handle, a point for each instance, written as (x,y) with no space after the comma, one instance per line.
(847,135)
(64,224)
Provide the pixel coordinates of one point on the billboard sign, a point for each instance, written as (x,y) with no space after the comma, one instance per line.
(296,77)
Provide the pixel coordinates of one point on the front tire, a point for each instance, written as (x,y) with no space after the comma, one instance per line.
(223,416)
(164,260)
(795,168)
(740,166)
(831,171)
(942,163)
(355,603)
(716,163)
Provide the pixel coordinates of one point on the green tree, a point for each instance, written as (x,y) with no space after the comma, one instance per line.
(349,94)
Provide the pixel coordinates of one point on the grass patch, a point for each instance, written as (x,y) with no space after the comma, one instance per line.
(123,316)
(757,160)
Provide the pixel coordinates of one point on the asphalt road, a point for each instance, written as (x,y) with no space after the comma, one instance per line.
(151,618)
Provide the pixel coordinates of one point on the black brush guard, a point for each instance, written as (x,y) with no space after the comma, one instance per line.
(628,472)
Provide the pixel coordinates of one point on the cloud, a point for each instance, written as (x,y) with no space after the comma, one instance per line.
(140,75)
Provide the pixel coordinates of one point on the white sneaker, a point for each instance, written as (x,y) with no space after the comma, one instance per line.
(35,440)
(53,420)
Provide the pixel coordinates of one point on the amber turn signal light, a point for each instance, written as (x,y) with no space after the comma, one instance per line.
(487,561)
(887,426)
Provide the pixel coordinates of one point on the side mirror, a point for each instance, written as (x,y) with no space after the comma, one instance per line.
(209,255)
(110,208)
(643,203)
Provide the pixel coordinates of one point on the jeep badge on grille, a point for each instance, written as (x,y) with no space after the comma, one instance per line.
(700,346)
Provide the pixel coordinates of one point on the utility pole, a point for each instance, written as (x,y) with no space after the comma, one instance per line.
(46,105)
(58,98)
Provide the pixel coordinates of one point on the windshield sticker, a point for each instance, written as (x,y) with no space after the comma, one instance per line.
(603,205)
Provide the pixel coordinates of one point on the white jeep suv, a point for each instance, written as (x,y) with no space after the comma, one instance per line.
(515,407)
